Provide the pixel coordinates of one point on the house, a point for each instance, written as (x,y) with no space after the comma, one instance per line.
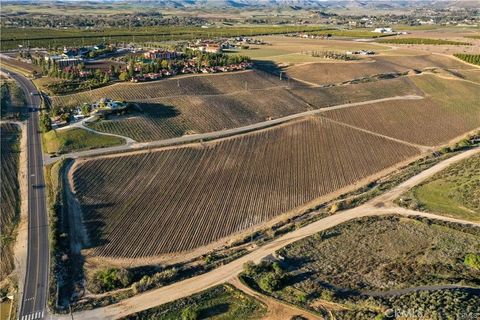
(383,30)
(161,54)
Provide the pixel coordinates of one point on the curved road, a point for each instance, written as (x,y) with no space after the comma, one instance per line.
(381,205)
(34,295)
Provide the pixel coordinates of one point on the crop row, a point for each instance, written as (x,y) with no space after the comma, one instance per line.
(180,199)
(424,41)
(10,197)
(173,87)
(163,118)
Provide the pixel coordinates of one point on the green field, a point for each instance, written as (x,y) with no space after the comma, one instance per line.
(223,302)
(470,58)
(64,141)
(454,192)
(51,38)
(370,264)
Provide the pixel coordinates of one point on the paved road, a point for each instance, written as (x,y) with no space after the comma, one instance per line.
(221,133)
(34,298)
(379,206)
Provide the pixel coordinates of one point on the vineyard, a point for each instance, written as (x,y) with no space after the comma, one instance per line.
(10,197)
(209,191)
(331,96)
(470,58)
(452,109)
(424,41)
(173,87)
(163,118)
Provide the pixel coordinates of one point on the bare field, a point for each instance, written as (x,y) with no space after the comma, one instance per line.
(331,96)
(331,73)
(183,198)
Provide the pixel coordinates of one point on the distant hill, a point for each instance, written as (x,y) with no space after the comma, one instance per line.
(295,4)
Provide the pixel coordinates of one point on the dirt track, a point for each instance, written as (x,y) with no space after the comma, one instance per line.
(381,205)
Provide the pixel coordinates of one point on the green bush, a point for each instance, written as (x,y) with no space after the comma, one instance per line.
(189,313)
(472,260)
(110,279)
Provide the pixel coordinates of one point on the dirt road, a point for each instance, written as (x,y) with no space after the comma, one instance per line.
(381,205)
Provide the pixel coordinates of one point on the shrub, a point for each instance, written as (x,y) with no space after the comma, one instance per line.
(472,260)
(189,314)
(270,282)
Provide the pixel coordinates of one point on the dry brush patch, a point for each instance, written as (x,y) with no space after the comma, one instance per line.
(186,197)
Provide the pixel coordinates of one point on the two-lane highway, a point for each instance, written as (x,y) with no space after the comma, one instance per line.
(34,297)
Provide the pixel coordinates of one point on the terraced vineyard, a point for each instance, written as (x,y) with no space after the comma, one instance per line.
(452,110)
(182,198)
(174,116)
(179,86)
(10,196)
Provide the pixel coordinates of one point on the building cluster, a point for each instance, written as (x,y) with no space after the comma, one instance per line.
(161,54)
(104,105)
(362,52)
(72,56)
(218,45)
(188,68)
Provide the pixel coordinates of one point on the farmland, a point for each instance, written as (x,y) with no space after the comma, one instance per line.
(51,38)
(452,109)
(470,58)
(10,195)
(163,118)
(172,108)
(454,192)
(370,257)
(423,41)
(64,141)
(331,73)
(231,185)
(180,86)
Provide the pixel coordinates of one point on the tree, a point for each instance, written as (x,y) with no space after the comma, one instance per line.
(164,64)
(45,122)
(85,108)
(123,76)
(270,282)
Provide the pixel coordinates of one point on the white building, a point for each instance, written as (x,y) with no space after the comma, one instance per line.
(383,30)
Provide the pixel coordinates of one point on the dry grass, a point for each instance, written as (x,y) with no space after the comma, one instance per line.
(331,73)
(331,96)
(187,197)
